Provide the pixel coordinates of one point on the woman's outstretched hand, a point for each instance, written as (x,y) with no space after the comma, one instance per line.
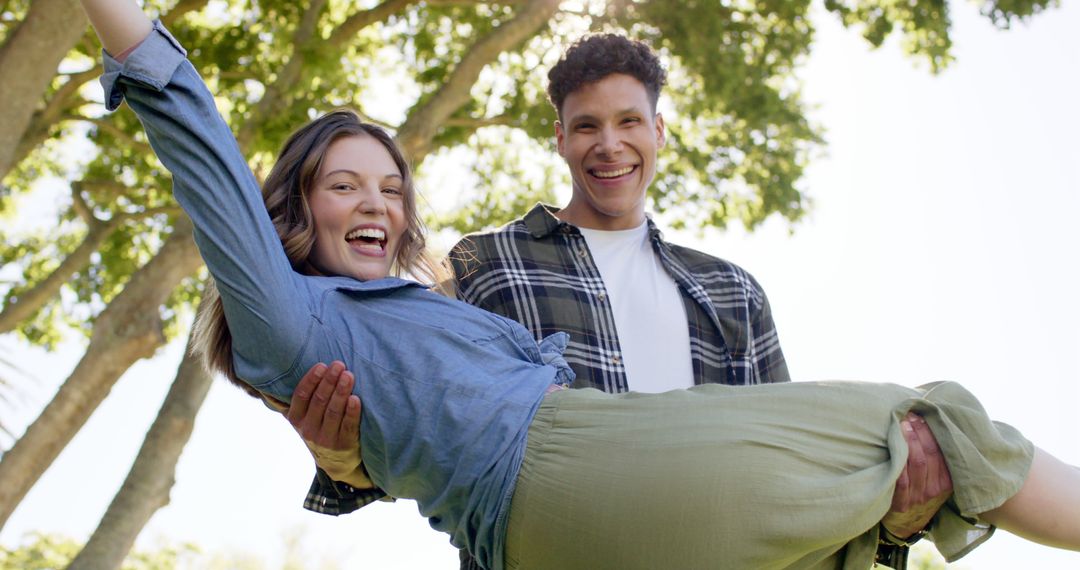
(326,414)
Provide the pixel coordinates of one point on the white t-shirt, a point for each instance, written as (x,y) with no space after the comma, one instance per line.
(650,317)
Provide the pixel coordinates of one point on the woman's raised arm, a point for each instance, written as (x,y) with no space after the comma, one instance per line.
(265,301)
(120,24)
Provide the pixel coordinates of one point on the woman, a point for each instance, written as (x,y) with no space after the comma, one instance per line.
(462,408)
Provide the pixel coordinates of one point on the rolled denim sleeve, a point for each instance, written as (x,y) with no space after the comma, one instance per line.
(159,56)
(266,303)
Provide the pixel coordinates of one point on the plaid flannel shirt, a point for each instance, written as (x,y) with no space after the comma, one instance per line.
(538,271)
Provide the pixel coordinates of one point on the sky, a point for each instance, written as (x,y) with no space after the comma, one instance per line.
(941,245)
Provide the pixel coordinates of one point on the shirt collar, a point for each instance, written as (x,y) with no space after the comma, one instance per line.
(375,285)
(542,222)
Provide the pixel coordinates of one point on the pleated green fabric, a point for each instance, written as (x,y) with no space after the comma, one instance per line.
(791,475)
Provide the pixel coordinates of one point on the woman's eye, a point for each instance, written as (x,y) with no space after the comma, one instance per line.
(342,187)
(392,190)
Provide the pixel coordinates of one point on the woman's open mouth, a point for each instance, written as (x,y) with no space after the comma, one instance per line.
(369,241)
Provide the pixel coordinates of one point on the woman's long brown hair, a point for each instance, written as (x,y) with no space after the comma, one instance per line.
(285,193)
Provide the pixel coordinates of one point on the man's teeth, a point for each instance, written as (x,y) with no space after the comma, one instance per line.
(372,233)
(613,173)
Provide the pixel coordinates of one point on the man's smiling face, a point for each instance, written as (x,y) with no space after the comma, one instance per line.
(609,136)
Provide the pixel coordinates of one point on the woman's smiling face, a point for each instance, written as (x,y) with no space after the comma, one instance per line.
(357,202)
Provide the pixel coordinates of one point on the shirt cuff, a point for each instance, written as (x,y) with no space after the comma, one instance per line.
(152,62)
(335,498)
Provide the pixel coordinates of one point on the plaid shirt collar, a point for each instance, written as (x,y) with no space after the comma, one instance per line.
(541,222)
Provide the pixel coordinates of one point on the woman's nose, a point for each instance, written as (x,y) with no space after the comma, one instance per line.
(372,202)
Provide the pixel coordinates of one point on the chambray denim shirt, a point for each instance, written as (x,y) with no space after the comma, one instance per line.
(448,389)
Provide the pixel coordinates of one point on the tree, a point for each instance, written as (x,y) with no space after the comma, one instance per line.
(146,488)
(50,551)
(119,265)
(29,57)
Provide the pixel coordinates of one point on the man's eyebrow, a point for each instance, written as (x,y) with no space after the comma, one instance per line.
(583,119)
(592,119)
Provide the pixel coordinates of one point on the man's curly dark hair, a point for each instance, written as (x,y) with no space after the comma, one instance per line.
(596,56)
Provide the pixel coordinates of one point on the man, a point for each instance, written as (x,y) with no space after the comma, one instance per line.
(642,314)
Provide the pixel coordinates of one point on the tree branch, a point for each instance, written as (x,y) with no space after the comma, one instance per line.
(475,124)
(238,75)
(99,185)
(182,8)
(274,98)
(129,329)
(146,488)
(108,126)
(147,213)
(29,57)
(38,130)
(423,124)
(28,302)
(78,203)
(364,18)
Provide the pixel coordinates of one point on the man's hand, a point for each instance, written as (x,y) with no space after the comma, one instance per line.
(924,485)
(326,414)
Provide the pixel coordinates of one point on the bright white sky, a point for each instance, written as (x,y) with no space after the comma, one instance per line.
(942,245)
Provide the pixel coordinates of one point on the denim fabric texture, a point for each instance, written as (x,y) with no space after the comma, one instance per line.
(448,389)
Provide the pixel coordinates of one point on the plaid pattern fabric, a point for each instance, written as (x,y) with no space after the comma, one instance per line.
(335,498)
(538,271)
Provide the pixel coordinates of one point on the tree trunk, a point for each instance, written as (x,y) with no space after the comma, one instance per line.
(28,62)
(40,125)
(416,134)
(147,486)
(57,25)
(129,329)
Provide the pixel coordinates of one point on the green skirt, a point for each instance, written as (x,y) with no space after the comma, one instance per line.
(775,476)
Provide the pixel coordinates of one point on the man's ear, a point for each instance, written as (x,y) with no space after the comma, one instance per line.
(661,135)
(560,138)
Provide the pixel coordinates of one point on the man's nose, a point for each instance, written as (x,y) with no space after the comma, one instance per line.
(610,142)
